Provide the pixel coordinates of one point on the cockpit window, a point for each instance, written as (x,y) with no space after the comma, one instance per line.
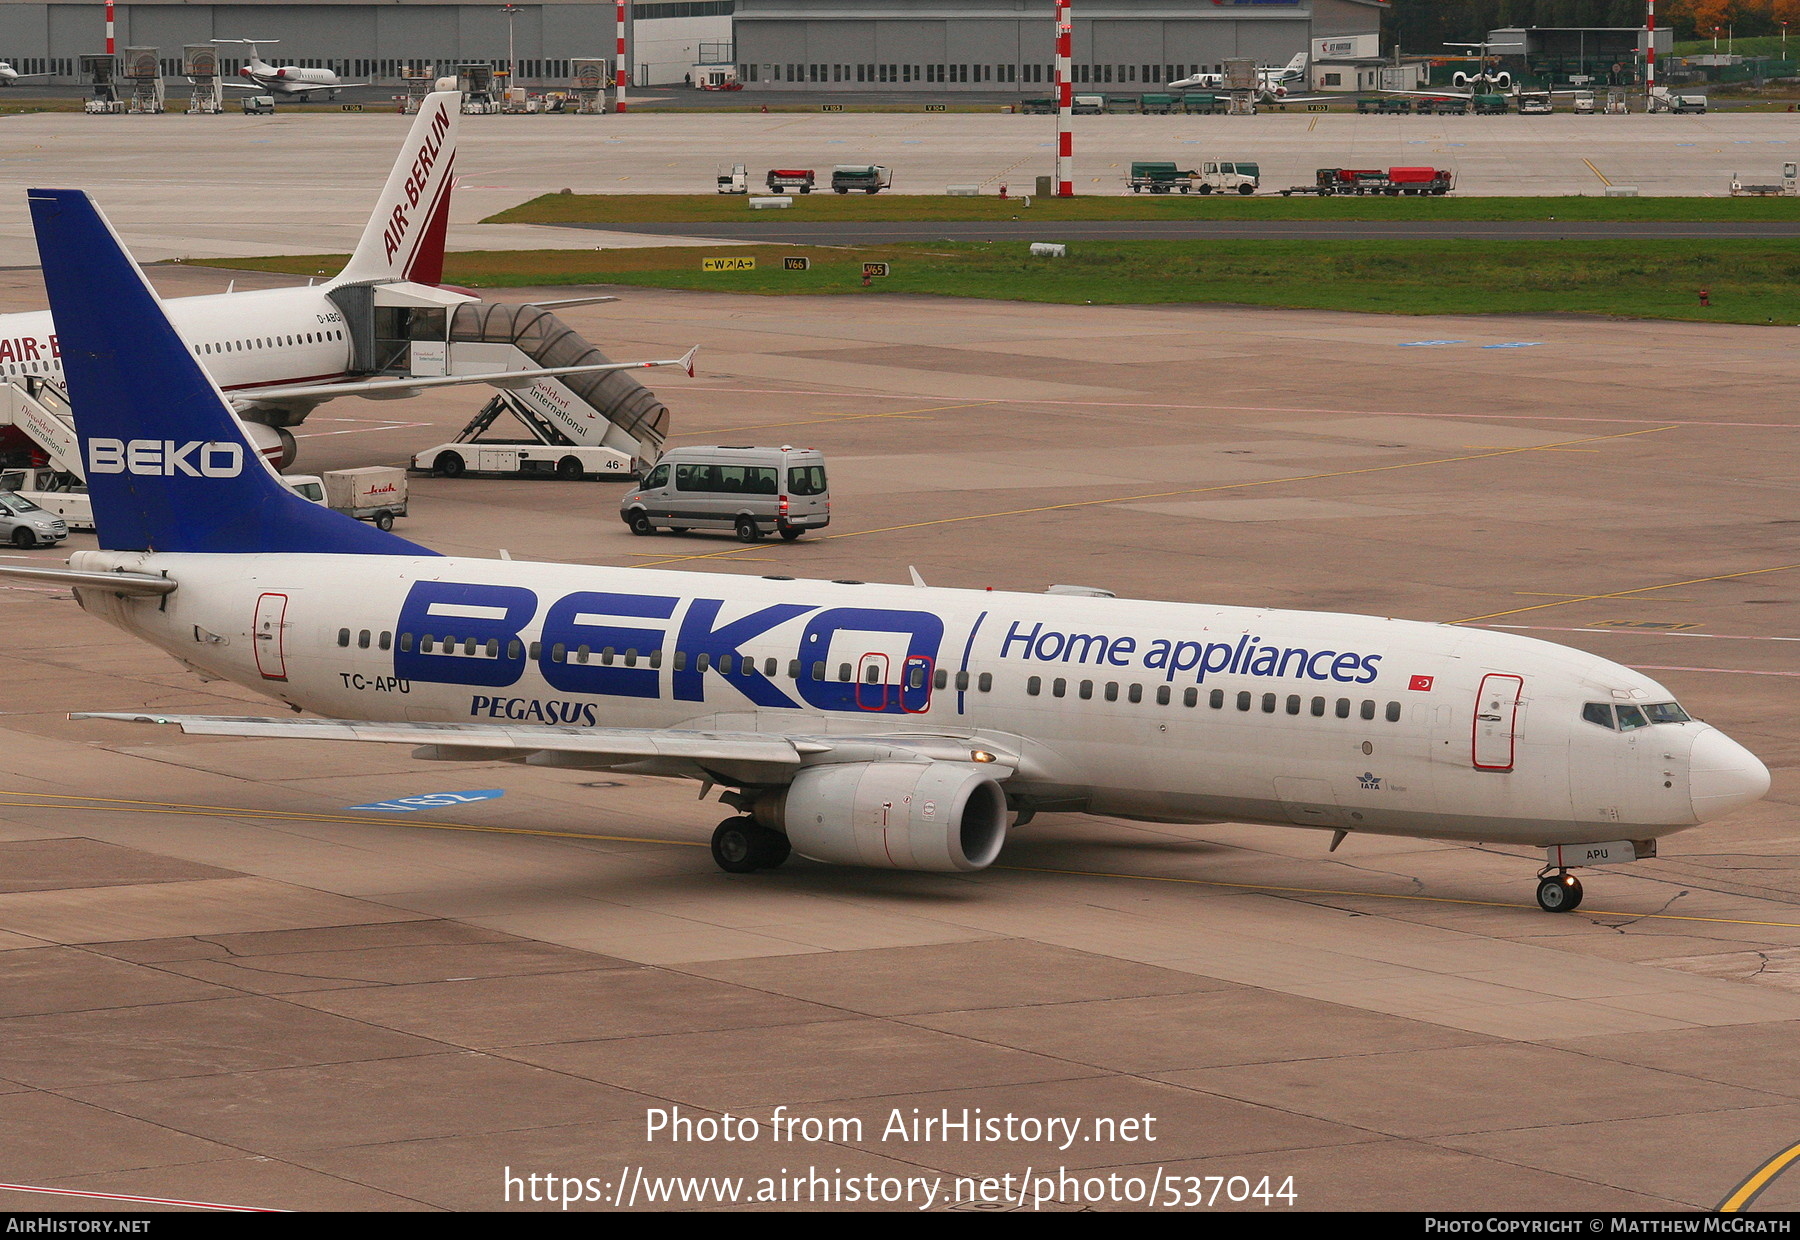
(1666,712)
(1631,717)
(1598,712)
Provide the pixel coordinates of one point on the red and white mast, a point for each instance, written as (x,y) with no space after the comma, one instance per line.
(1065,102)
(624,71)
(1650,55)
(109,28)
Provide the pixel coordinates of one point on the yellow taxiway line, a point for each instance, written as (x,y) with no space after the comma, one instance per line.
(1746,1193)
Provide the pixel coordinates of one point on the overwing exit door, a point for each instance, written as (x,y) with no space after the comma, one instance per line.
(267,636)
(1496,721)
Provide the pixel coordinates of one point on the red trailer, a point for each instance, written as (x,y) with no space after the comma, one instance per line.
(791,180)
(1392,181)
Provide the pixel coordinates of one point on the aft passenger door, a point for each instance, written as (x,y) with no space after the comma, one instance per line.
(1496,728)
(267,636)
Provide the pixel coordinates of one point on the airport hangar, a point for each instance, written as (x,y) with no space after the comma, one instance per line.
(795,45)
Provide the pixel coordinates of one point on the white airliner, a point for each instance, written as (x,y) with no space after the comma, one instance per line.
(280,353)
(1272,83)
(874,725)
(290,81)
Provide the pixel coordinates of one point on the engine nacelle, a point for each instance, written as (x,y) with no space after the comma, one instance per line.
(275,443)
(945,816)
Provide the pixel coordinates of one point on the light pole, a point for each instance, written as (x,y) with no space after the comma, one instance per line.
(511,11)
(1715,38)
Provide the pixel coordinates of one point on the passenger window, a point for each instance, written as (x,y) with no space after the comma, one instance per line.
(1268,703)
(694,478)
(1135,693)
(559,653)
(1368,710)
(606,656)
(1630,718)
(493,648)
(469,645)
(818,671)
(1243,701)
(702,661)
(1059,687)
(1217,699)
(582,653)
(1112,690)
(1318,708)
(1343,708)
(1393,712)
(1034,686)
(536,651)
(942,679)
(985,683)
(872,675)
(425,644)
(1163,695)
(770,667)
(962,680)
(844,674)
(406,642)
(387,641)
(725,664)
(793,669)
(680,661)
(1087,690)
(1190,697)
(362,640)
(631,658)
(1293,704)
(916,678)
(343,637)
(515,648)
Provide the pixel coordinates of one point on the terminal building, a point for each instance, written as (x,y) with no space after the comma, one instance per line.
(930,46)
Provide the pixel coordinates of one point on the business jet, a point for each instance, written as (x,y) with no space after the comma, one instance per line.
(290,82)
(9,75)
(280,353)
(884,726)
(1273,84)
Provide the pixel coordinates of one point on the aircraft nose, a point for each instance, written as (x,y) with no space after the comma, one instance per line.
(1723,776)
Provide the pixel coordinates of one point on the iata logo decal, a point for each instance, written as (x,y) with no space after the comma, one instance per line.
(164,458)
(1369,780)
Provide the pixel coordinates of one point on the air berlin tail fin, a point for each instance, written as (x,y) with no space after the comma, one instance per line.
(169,467)
(404,239)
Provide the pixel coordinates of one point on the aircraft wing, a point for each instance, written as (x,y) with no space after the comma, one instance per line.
(377,389)
(654,751)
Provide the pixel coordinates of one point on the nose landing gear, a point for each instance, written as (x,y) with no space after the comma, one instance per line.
(1559,892)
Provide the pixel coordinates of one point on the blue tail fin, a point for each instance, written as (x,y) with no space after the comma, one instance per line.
(169,467)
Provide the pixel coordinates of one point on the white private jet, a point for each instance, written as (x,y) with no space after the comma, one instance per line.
(289,82)
(886,726)
(9,75)
(1273,84)
(280,353)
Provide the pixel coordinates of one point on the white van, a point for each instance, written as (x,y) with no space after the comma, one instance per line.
(753,491)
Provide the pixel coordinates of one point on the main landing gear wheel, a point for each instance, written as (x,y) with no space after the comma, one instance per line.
(1559,893)
(742,846)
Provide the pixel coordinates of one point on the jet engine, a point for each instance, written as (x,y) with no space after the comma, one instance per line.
(275,443)
(946,816)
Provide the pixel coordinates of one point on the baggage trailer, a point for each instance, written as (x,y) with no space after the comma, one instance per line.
(791,180)
(1392,182)
(1159,177)
(869,178)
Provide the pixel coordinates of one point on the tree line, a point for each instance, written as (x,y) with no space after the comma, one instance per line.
(1425,25)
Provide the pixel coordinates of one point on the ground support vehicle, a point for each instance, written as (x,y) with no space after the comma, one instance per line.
(737,181)
(1200,104)
(791,180)
(750,491)
(1788,188)
(55,491)
(1490,105)
(1392,181)
(1158,177)
(869,178)
(373,493)
(1225,177)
